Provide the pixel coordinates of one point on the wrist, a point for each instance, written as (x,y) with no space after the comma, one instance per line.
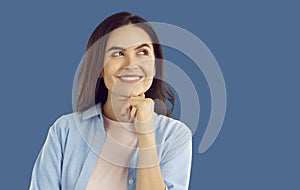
(147,140)
(144,127)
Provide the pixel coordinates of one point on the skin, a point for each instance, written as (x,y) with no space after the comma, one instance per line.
(129,52)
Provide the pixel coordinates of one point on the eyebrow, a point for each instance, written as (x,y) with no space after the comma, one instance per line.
(142,45)
(122,49)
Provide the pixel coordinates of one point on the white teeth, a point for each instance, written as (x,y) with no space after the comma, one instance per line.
(130,78)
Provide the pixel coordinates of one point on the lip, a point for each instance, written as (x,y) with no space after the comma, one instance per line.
(130,78)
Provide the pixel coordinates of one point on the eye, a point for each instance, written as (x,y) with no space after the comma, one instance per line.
(143,52)
(117,54)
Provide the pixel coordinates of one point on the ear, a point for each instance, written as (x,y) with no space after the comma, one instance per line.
(154,70)
(101,74)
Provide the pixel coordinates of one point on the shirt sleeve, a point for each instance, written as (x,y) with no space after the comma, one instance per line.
(46,172)
(176,164)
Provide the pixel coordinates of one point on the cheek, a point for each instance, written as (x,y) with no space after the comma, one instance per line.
(149,69)
(109,76)
(147,83)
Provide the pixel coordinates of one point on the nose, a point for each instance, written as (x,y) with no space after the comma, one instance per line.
(130,62)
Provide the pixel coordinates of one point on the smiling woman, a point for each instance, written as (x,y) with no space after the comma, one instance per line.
(117,138)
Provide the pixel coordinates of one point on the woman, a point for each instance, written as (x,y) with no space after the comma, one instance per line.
(115,140)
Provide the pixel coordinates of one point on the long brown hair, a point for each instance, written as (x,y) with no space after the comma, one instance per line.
(90,87)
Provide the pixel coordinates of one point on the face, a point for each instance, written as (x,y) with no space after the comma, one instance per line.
(129,62)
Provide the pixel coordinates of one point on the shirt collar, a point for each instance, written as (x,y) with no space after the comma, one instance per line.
(92,111)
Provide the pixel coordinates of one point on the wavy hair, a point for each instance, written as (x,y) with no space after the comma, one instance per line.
(90,85)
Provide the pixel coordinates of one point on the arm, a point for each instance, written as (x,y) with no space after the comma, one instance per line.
(46,172)
(176,162)
(149,173)
(173,171)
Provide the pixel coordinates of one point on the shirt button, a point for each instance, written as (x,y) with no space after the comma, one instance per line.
(131,181)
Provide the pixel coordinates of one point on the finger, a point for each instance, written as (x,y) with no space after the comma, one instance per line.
(125,108)
(139,101)
(122,98)
(136,98)
(128,114)
(135,103)
(142,95)
(133,112)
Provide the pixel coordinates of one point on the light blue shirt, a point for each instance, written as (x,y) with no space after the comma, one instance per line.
(73,146)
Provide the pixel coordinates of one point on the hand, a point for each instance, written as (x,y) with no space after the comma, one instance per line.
(141,110)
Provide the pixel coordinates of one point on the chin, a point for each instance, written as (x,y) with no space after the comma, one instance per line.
(140,90)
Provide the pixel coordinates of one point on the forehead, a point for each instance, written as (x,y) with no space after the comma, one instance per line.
(127,36)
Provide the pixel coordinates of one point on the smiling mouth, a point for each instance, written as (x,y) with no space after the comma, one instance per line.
(130,78)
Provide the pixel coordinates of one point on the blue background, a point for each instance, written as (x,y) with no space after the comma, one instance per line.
(256,44)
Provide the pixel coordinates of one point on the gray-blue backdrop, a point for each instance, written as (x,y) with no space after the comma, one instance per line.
(256,44)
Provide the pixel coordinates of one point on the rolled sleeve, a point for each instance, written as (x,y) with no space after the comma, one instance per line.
(176,165)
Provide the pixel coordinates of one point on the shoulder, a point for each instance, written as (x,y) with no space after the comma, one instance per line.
(64,126)
(172,128)
(172,138)
(170,123)
(64,122)
(69,129)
